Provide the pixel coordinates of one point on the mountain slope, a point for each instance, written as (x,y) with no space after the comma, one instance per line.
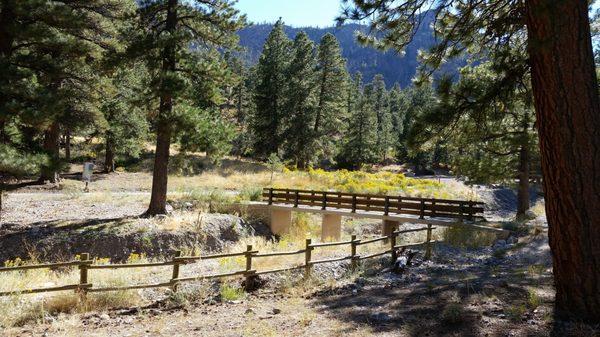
(369,61)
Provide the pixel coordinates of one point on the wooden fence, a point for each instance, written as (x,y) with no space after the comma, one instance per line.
(445,208)
(85,264)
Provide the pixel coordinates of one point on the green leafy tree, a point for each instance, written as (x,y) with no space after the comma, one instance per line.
(299,106)
(47,53)
(269,98)
(567,105)
(178,41)
(125,112)
(332,89)
(384,121)
(359,144)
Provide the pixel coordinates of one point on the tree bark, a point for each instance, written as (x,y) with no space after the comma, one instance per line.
(568,116)
(523,191)
(52,148)
(158,199)
(109,158)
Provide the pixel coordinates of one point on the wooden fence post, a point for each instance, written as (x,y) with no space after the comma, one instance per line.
(307,257)
(296,200)
(249,272)
(83,276)
(174,283)
(392,245)
(353,256)
(324,206)
(470,210)
(386,208)
(422,216)
(354,204)
(428,249)
(270,196)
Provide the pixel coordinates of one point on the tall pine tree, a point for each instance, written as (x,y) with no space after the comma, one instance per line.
(299,107)
(331,107)
(167,30)
(269,95)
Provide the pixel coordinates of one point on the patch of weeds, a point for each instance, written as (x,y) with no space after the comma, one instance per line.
(464,237)
(500,253)
(533,300)
(511,226)
(250,193)
(453,313)
(536,269)
(516,312)
(231,293)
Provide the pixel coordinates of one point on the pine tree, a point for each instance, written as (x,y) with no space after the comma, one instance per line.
(267,123)
(181,76)
(299,106)
(331,106)
(398,105)
(384,120)
(360,139)
(47,53)
(125,112)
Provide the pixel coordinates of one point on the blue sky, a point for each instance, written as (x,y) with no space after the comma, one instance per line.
(294,12)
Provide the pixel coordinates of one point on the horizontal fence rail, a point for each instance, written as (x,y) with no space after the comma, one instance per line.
(423,207)
(84,264)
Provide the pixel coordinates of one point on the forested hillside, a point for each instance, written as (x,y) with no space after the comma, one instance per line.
(369,61)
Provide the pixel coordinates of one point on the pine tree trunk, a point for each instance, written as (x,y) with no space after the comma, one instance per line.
(52,148)
(158,199)
(523,192)
(568,118)
(109,158)
(68,145)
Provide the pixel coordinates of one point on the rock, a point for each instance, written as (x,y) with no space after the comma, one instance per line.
(276,311)
(512,240)
(249,311)
(104,317)
(380,317)
(169,209)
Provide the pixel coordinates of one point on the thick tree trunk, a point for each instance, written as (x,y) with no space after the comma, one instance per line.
(523,191)
(52,148)
(109,158)
(68,145)
(568,117)
(158,199)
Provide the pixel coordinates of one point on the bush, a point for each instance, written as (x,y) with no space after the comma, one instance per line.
(231,293)
(453,313)
(251,193)
(465,237)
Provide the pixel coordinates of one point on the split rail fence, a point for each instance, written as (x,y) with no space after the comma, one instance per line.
(400,205)
(86,264)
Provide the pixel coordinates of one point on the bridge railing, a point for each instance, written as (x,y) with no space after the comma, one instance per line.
(401,205)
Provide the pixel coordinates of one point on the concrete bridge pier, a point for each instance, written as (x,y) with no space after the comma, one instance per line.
(389,226)
(331,228)
(281,221)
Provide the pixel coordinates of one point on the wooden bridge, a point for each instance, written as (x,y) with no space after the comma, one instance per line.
(392,210)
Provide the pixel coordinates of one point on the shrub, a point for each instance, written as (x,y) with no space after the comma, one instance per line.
(465,237)
(231,293)
(453,313)
(251,193)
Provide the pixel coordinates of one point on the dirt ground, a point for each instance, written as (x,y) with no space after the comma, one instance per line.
(461,292)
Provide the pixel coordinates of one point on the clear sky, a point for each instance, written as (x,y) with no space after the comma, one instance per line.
(294,12)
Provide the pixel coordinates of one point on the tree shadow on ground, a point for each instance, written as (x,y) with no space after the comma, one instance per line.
(447,301)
